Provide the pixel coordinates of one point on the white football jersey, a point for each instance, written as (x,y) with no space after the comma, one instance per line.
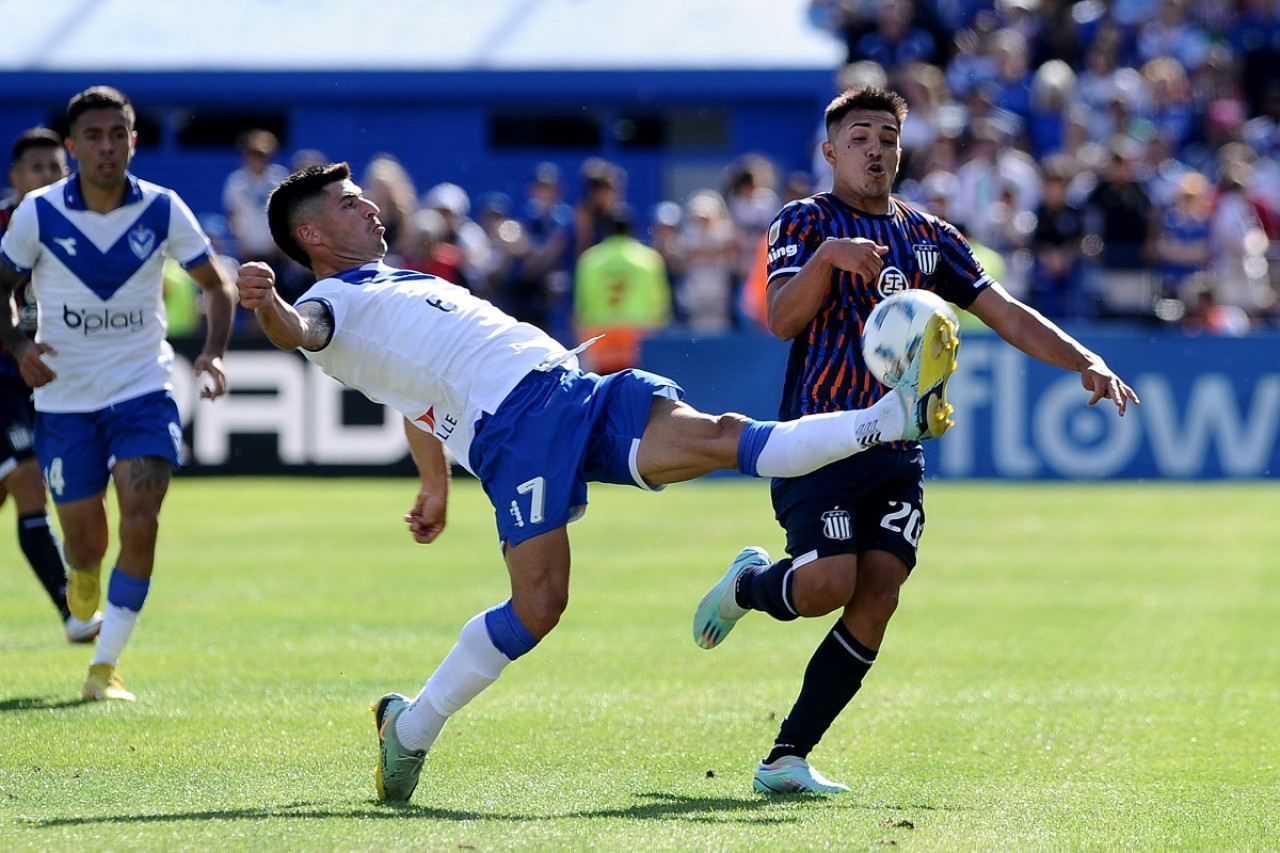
(99,288)
(429,349)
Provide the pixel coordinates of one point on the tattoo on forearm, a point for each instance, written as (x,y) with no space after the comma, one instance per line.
(150,474)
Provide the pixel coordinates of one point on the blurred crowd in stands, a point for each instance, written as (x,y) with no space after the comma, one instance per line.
(1108,160)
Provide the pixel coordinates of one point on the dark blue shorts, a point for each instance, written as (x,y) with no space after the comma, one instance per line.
(77,450)
(17,441)
(873,500)
(554,433)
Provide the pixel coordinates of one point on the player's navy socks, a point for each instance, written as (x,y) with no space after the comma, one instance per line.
(834,674)
(36,539)
(768,588)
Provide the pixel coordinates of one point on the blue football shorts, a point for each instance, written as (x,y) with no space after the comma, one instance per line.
(554,433)
(77,450)
(872,500)
(16,432)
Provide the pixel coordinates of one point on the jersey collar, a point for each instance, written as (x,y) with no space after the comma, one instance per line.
(73,200)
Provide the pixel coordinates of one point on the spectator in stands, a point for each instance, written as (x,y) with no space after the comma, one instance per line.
(1057,124)
(508,246)
(427,249)
(1172,34)
(1119,236)
(752,198)
(387,184)
(1240,243)
(896,40)
(543,295)
(708,252)
(453,203)
(621,292)
(664,237)
(1056,284)
(244,197)
(1206,316)
(1182,244)
(593,216)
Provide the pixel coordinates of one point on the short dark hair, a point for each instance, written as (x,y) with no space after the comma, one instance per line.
(36,137)
(865,98)
(293,192)
(99,98)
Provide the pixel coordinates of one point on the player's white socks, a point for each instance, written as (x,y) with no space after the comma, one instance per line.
(806,444)
(471,665)
(117,627)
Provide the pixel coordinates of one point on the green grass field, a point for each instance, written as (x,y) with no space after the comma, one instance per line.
(1073,667)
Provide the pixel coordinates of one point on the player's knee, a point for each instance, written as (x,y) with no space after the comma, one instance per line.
(139,527)
(879,603)
(541,612)
(823,592)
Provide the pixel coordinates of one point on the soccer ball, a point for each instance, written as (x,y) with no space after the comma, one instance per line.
(893,332)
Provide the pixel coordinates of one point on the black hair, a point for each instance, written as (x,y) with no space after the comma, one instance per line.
(36,137)
(293,192)
(99,98)
(865,98)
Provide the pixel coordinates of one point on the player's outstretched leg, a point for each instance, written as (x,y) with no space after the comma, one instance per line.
(398,768)
(923,389)
(719,610)
(104,683)
(791,774)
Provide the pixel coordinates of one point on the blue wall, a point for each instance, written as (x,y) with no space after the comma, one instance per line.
(437,123)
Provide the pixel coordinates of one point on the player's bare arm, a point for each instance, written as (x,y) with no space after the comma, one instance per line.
(427,517)
(794,301)
(308,326)
(1029,331)
(25,351)
(220,304)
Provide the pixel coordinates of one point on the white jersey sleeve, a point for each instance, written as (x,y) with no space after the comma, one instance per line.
(433,351)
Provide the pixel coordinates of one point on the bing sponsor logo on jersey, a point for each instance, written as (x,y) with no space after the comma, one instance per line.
(789,251)
(892,281)
(836,524)
(142,240)
(926,257)
(106,320)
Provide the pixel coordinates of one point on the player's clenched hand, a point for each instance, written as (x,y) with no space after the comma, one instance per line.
(256,284)
(32,367)
(427,518)
(211,366)
(1100,381)
(857,255)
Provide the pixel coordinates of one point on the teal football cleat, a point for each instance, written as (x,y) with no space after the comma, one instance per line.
(923,388)
(398,768)
(791,774)
(719,609)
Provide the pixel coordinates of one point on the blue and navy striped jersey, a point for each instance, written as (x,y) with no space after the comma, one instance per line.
(825,371)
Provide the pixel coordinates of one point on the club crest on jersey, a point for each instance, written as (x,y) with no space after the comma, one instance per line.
(142,241)
(836,524)
(891,281)
(926,257)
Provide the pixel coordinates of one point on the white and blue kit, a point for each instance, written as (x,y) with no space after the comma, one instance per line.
(98,284)
(506,399)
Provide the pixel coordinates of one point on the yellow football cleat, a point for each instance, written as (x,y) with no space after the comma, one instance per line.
(83,591)
(104,683)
